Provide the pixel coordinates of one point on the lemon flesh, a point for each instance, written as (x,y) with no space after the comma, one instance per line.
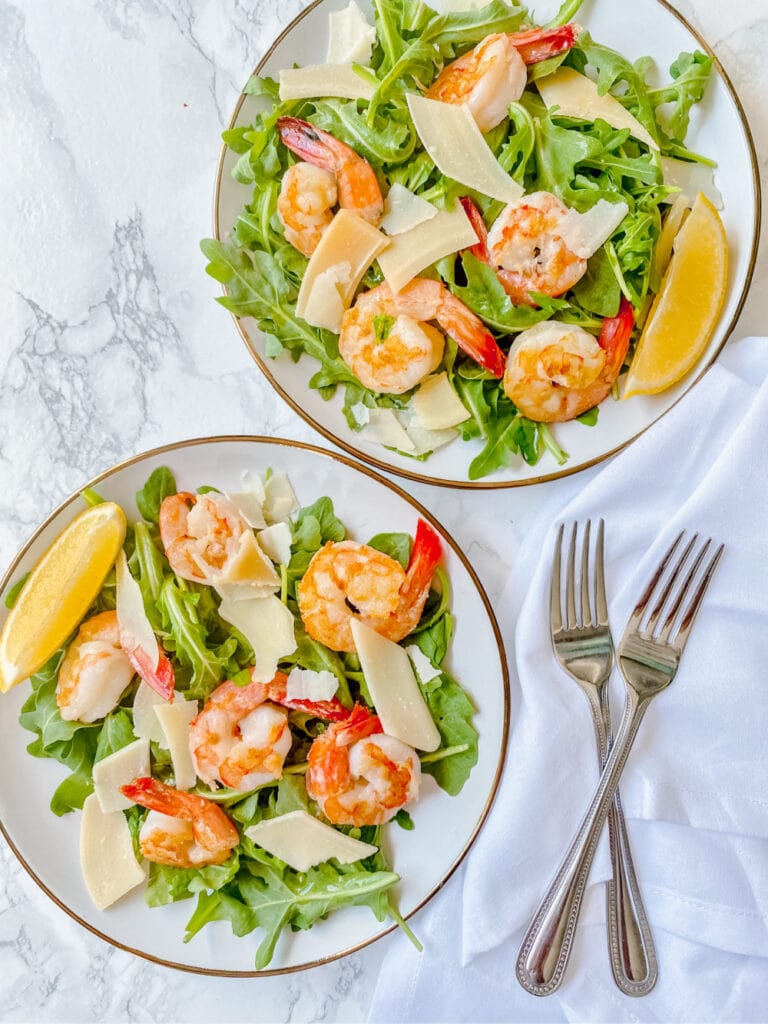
(60,589)
(686,310)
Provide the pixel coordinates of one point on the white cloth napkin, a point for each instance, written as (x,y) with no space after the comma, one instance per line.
(695,790)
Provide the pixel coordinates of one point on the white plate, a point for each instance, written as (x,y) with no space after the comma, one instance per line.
(718,129)
(445,826)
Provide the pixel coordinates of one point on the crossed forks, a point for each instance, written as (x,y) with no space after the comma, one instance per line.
(648,658)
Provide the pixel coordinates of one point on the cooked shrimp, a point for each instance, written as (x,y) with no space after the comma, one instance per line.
(95,671)
(347,580)
(356,183)
(358,774)
(305,205)
(181,829)
(526,249)
(493,74)
(556,372)
(241,738)
(389,345)
(200,533)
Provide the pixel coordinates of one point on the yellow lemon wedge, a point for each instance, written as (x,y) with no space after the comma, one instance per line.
(60,589)
(686,310)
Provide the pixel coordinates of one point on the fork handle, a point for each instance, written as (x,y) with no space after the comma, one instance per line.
(630,941)
(546,946)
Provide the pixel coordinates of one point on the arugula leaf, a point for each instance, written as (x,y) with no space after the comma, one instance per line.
(396,545)
(599,291)
(187,636)
(161,484)
(116,732)
(452,711)
(168,884)
(690,75)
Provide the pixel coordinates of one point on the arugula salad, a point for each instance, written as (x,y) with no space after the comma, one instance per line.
(249,702)
(463,218)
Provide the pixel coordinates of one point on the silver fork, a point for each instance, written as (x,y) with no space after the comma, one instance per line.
(584,648)
(648,660)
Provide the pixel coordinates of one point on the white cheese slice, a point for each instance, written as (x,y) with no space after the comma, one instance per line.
(691,178)
(268,627)
(437,405)
(360,413)
(244,591)
(447,232)
(118,769)
(584,233)
(302,841)
(393,688)
(110,868)
(348,242)
(450,135)
(306,684)
(404,210)
(248,504)
(276,542)
(251,481)
(325,304)
(146,724)
(350,38)
(280,500)
(174,721)
(425,670)
(250,565)
(131,616)
(383,427)
(577,96)
(422,439)
(320,80)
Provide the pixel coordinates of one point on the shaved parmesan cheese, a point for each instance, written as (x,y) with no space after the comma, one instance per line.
(450,135)
(393,688)
(146,724)
(174,719)
(437,405)
(425,670)
(584,233)
(447,232)
(252,482)
(403,210)
(110,869)
(385,428)
(244,591)
(320,80)
(131,616)
(276,542)
(351,39)
(361,414)
(250,565)
(576,96)
(691,178)
(325,303)
(267,625)
(302,841)
(348,241)
(306,684)
(423,439)
(118,769)
(279,498)
(248,504)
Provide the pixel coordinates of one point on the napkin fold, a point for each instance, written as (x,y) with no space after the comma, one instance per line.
(695,789)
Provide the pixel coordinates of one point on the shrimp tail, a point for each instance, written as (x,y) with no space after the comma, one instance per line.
(311,144)
(329,710)
(615,335)
(360,723)
(472,336)
(480,249)
(160,677)
(540,44)
(426,553)
(212,828)
(155,795)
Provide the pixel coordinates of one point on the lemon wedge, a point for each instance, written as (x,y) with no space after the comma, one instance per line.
(686,310)
(60,589)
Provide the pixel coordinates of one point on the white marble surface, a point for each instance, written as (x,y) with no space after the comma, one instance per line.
(111,344)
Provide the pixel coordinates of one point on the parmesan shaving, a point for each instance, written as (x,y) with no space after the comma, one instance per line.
(384,428)
(445,233)
(146,724)
(691,178)
(325,304)
(268,626)
(584,233)
(350,38)
(248,504)
(118,769)
(425,670)
(276,542)
(279,498)
(306,684)
(437,405)
(131,616)
(110,869)
(302,841)
(175,719)
(320,80)
(450,135)
(403,211)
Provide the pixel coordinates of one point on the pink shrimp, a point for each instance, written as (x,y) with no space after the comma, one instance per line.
(200,533)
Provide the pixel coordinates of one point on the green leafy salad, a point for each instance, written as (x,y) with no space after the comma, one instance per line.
(586,130)
(218,751)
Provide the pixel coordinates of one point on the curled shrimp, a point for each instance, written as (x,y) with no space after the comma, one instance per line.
(358,774)
(241,737)
(357,187)
(493,74)
(305,205)
(181,829)
(347,580)
(556,372)
(200,533)
(95,671)
(388,343)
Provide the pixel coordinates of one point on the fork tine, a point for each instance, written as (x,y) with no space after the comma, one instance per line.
(683,593)
(668,587)
(637,615)
(689,614)
(601,604)
(555,613)
(586,612)
(570,589)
